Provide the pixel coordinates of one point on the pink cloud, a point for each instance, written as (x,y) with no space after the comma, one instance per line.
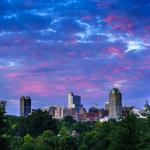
(12,75)
(110,18)
(38,87)
(115,51)
(118,22)
(126,27)
(121,69)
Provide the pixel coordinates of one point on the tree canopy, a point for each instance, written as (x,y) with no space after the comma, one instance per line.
(39,131)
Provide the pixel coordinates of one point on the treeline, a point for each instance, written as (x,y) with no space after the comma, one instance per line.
(39,131)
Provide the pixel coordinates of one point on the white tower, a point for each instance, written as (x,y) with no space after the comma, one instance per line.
(70,100)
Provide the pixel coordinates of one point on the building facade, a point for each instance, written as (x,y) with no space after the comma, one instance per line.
(115,104)
(25,106)
(74,101)
(59,112)
(107,106)
(56,111)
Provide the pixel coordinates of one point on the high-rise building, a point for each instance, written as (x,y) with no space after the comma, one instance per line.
(115,103)
(25,106)
(74,101)
(106,105)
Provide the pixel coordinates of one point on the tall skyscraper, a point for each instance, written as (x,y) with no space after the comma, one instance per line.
(25,106)
(115,103)
(74,101)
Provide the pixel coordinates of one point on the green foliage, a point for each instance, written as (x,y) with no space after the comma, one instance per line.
(69,120)
(27,143)
(82,127)
(2,116)
(47,134)
(98,137)
(64,132)
(47,141)
(125,135)
(16,142)
(39,131)
(40,121)
(66,142)
(90,140)
(35,124)
(27,138)
(27,146)
(3,125)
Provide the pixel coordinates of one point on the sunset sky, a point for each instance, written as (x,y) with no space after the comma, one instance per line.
(48,47)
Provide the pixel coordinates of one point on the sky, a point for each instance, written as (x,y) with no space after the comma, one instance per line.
(49,47)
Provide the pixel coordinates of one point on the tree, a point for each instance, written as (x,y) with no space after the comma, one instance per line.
(69,119)
(65,140)
(98,137)
(28,143)
(40,121)
(46,141)
(127,110)
(144,143)
(82,127)
(3,138)
(146,111)
(16,126)
(2,115)
(125,135)
(16,142)
(90,140)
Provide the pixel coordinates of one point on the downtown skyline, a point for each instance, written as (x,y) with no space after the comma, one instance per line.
(90,46)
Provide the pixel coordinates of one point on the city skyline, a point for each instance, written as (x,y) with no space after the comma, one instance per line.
(75,104)
(90,46)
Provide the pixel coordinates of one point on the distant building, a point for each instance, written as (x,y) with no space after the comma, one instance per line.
(25,106)
(71,112)
(59,112)
(103,113)
(82,114)
(51,111)
(106,105)
(74,101)
(115,103)
(92,116)
(55,111)
(96,114)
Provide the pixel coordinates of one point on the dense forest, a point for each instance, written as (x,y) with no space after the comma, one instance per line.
(39,131)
